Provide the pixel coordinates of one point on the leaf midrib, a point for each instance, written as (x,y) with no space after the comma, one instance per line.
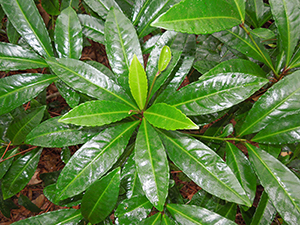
(92,115)
(168,118)
(200,18)
(24,60)
(184,215)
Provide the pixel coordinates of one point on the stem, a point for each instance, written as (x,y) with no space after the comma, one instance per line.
(5,151)
(218,138)
(27,150)
(151,88)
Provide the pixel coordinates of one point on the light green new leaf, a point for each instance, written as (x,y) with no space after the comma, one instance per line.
(92,27)
(96,113)
(215,93)
(69,94)
(93,160)
(284,131)
(191,214)
(242,169)
(287,19)
(87,79)
(279,183)
(68,35)
(202,17)
(121,43)
(164,58)
(26,18)
(4,166)
(20,173)
(152,165)
(102,7)
(168,117)
(52,134)
(15,57)
(62,216)
(280,100)
(23,124)
(138,82)
(18,89)
(101,197)
(203,166)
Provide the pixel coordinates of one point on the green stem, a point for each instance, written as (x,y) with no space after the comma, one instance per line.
(151,88)
(218,138)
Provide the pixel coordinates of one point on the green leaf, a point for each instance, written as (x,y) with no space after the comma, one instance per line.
(12,34)
(70,95)
(279,100)
(126,6)
(138,82)
(203,166)
(168,117)
(254,12)
(15,57)
(227,130)
(284,131)
(152,165)
(68,35)
(102,7)
(65,155)
(25,201)
(18,89)
(23,124)
(102,68)
(242,169)
(287,20)
(213,16)
(191,214)
(133,210)
(4,166)
(62,216)
(96,113)
(164,58)
(51,7)
(67,3)
(295,61)
(101,197)
(92,27)
(52,134)
(101,152)
(279,183)
(20,173)
(28,22)
(121,43)
(166,220)
(80,75)
(152,220)
(215,93)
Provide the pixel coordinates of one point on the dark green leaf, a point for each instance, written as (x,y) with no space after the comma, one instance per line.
(18,89)
(273,150)
(213,16)
(12,34)
(69,94)
(280,100)
(126,6)
(254,12)
(152,165)
(4,166)
(168,117)
(65,154)
(68,35)
(15,57)
(96,113)
(227,130)
(166,220)
(152,220)
(51,7)
(279,183)
(20,173)
(5,121)
(149,44)
(102,7)
(215,93)
(53,134)
(25,201)
(27,20)
(92,27)
(203,166)
(101,152)
(67,3)
(6,205)
(101,197)
(49,178)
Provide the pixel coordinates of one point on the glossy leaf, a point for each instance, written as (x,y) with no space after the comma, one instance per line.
(191,214)
(138,82)
(80,75)
(295,61)
(65,154)
(12,34)
(242,169)
(279,100)
(101,197)
(213,16)
(166,220)
(121,43)
(168,117)
(102,68)
(25,201)
(96,113)
(92,27)
(4,166)
(51,7)
(27,20)
(279,183)
(18,89)
(68,35)
(284,131)
(69,94)
(15,57)
(203,166)
(215,93)
(67,3)
(23,124)
(287,20)
(152,220)
(102,7)
(152,165)
(254,12)
(20,173)
(101,153)
(164,58)
(6,205)
(126,6)
(133,210)
(52,134)
(62,216)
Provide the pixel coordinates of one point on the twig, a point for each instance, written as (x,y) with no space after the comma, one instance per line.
(5,151)
(27,150)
